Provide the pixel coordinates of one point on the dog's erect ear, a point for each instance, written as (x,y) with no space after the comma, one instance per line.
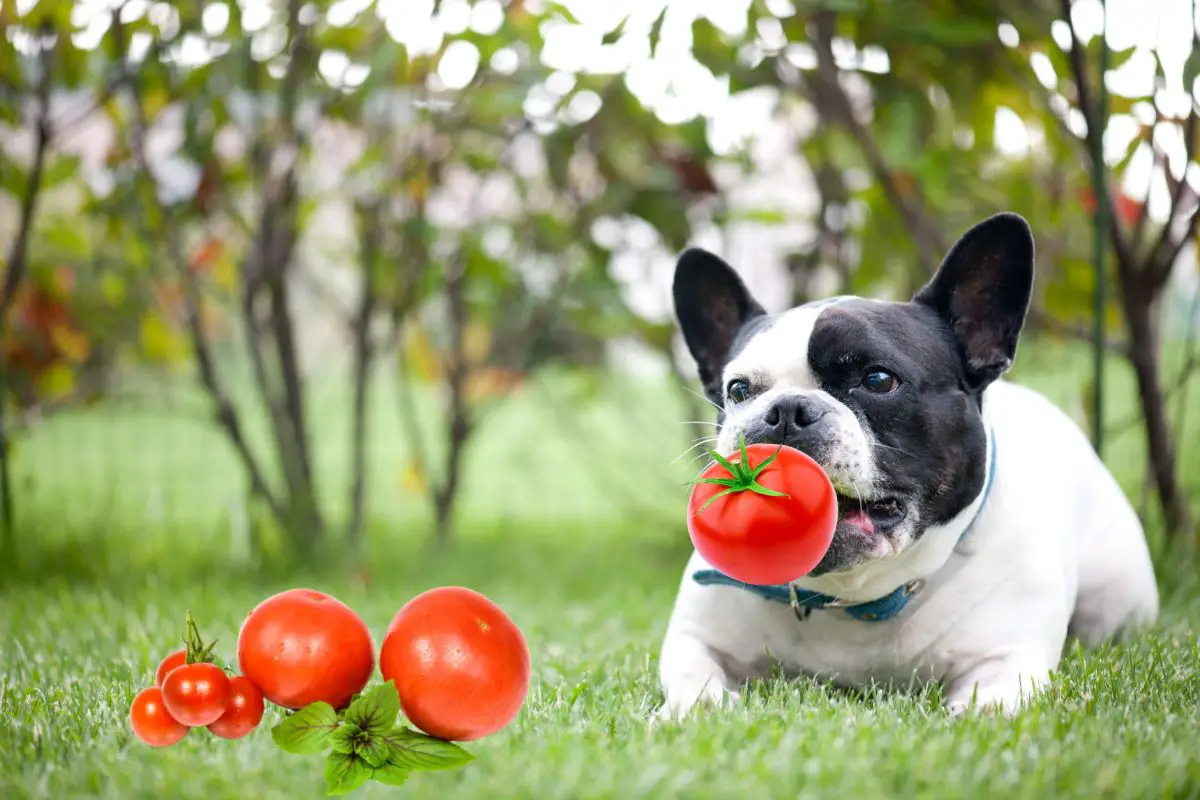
(712,304)
(982,291)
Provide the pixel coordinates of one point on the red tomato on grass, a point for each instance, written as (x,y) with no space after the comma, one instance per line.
(301,646)
(460,665)
(176,659)
(766,516)
(151,722)
(244,711)
(196,694)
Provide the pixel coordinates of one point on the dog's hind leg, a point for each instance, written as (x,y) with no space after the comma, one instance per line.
(1117,591)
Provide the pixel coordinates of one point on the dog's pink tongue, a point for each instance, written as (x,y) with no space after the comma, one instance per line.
(860,519)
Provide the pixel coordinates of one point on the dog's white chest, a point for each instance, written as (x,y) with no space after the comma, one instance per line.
(757,636)
(880,655)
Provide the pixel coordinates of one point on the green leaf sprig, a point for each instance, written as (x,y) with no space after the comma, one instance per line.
(365,742)
(742,477)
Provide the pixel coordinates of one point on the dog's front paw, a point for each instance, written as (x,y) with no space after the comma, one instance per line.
(692,676)
(984,703)
(996,686)
(689,696)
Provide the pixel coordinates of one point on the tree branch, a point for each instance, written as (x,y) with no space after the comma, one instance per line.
(15,267)
(266,276)
(404,296)
(224,410)
(1057,327)
(1095,131)
(283,240)
(43,135)
(253,278)
(931,245)
(1179,384)
(1139,227)
(1193,361)
(1162,257)
(369,226)
(71,121)
(415,258)
(458,427)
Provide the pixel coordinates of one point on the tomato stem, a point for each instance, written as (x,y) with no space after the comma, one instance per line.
(197,651)
(742,477)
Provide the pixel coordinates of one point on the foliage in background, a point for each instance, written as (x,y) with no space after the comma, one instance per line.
(249,158)
(922,129)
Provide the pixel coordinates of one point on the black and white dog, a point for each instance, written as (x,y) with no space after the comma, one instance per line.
(978,530)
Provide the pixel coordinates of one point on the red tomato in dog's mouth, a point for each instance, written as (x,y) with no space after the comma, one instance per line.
(769,521)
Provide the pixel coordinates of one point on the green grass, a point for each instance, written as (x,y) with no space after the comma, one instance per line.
(1120,723)
(587,561)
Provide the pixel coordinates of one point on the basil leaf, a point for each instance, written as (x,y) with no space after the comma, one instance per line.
(306,731)
(345,773)
(417,751)
(375,712)
(390,774)
(345,738)
(374,750)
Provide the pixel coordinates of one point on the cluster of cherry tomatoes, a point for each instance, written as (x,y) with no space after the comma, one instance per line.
(459,663)
(194,695)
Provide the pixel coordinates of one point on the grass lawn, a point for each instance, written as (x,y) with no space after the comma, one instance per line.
(108,566)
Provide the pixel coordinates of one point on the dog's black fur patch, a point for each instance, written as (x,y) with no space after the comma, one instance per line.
(929,432)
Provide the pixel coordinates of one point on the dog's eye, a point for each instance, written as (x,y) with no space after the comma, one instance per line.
(738,391)
(879,381)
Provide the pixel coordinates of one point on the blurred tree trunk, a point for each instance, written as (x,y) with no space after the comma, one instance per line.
(276,147)
(458,423)
(370,225)
(1142,276)
(268,277)
(14,273)
(1143,353)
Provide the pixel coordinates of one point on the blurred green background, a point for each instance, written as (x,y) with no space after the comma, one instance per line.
(373,296)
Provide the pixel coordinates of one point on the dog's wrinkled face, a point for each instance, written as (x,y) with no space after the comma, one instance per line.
(885,396)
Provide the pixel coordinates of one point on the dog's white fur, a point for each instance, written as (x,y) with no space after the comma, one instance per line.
(1055,551)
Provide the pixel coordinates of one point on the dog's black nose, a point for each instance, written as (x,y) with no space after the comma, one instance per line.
(791,413)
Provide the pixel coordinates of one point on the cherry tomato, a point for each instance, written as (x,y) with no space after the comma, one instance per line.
(151,722)
(460,665)
(176,659)
(763,538)
(301,646)
(244,712)
(196,694)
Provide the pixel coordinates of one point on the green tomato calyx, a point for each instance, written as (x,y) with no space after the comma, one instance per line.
(743,476)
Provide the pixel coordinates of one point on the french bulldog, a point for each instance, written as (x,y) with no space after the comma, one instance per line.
(978,531)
